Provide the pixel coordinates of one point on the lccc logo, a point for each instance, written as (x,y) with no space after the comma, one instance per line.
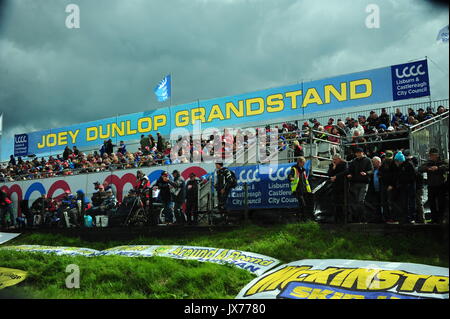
(247,176)
(406,74)
(21,139)
(279,175)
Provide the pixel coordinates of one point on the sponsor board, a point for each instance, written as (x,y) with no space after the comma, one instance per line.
(374,86)
(121,182)
(58,250)
(268,186)
(254,263)
(349,279)
(21,145)
(410,80)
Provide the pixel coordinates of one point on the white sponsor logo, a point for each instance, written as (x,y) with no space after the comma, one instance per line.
(410,71)
(279,174)
(21,139)
(247,176)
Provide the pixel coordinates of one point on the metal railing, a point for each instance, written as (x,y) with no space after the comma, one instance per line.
(432,133)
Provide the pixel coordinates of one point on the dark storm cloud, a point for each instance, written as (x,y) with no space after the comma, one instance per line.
(51,76)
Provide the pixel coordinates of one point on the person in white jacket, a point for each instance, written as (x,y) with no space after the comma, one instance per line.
(357,127)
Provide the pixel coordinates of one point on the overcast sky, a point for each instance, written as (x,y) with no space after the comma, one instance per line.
(52,76)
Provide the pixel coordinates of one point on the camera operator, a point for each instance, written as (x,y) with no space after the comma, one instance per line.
(143,188)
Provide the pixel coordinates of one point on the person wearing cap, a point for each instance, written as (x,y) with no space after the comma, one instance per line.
(437,181)
(384,117)
(421,115)
(403,187)
(373,119)
(179,197)
(441,110)
(192,186)
(359,171)
(165,185)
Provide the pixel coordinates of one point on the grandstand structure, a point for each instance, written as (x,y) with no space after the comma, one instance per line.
(419,138)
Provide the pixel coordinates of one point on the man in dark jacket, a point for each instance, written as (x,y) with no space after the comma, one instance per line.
(419,216)
(109,147)
(161,143)
(179,197)
(300,187)
(403,186)
(437,174)
(6,208)
(192,186)
(336,171)
(39,209)
(385,173)
(223,187)
(165,185)
(359,171)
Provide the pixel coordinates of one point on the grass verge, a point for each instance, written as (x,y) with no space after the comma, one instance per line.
(157,277)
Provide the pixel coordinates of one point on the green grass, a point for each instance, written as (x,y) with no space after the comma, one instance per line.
(157,277)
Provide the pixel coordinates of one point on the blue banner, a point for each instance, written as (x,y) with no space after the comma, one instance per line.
(410,80)
(21,145)
(276,104)
(268,187)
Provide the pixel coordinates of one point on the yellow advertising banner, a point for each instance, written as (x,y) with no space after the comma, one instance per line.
(11,277)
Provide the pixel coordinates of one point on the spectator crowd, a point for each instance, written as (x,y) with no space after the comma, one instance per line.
(376,165)
(374,134)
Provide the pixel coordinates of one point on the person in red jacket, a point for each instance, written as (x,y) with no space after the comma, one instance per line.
(6,208)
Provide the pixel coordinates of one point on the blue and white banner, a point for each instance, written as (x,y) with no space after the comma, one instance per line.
(268,186)
(349,279)
(163,89)
(21,145)
(410,80)
(403,81)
